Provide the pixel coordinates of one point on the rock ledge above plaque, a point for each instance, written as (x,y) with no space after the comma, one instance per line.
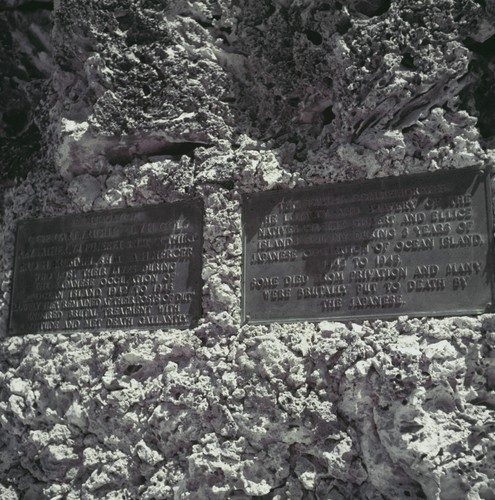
(128,268)
(418,245)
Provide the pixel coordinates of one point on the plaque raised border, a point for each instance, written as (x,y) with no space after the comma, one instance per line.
(131,268)
(414,245)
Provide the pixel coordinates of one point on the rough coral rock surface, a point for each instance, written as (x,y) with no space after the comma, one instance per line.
(126,103)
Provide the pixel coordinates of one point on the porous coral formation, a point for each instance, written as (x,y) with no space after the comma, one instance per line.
(26,65)
(155,101)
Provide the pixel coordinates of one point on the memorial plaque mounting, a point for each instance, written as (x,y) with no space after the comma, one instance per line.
(129,268)
(417,245)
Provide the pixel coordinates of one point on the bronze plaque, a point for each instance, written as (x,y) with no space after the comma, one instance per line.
(416,245)
(130,268)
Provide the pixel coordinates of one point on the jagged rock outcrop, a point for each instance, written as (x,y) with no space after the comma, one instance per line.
(27,64)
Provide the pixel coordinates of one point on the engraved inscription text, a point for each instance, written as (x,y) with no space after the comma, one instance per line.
(134,268)
(413,245)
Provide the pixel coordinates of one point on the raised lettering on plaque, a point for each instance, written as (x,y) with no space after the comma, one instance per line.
(130,268)
(415,245)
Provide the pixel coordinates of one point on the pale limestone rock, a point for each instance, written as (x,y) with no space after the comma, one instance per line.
(84,190)
(19,386)
(442,350)
(8,493)
(146,454)
(76,415)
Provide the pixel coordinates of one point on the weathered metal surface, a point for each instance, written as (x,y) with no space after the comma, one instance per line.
(412,245)
(130,268)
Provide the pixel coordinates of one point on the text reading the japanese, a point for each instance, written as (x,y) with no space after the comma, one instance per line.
(410,245)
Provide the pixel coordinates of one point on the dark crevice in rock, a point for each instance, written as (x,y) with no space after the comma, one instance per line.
(30,7)
(224,38)
(140,480)
(119,157)
(132,369)
(479,98)
(15,121)
(179,149)
(271,10)
(204,24)
(227,184)
(421,102)
(421,494)
(328,115)
(383,8)
(4,185)
(124,154)
(481,401)
(486,48)
(408,62)
(16,153)
(372,8)
(125,20)
(314,37)
(343,26)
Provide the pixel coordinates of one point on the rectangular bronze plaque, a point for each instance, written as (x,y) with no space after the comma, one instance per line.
(412,245)
(129,268)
